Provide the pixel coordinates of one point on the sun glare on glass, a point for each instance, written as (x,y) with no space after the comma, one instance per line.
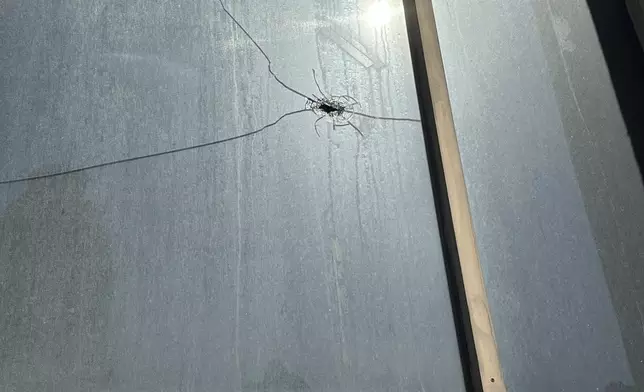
(379,13)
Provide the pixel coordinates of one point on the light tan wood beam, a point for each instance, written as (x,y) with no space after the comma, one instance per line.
(476,296)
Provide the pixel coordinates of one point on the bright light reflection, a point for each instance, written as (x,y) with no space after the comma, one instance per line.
(379,13)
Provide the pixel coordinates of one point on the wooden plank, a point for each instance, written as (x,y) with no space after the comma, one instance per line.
(636,10)
(476,297)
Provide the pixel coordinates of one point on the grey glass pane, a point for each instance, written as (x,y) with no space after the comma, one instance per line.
(282,261)
(555,191)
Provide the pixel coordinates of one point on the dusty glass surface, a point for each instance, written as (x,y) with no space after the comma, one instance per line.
(281,261)
(556,196)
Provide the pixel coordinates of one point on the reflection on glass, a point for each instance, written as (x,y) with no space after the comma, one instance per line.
(379,13)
